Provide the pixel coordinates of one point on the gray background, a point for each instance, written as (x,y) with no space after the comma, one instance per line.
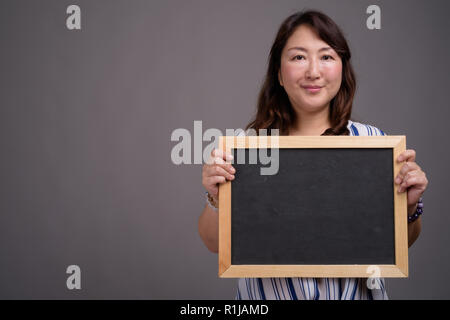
(86,176)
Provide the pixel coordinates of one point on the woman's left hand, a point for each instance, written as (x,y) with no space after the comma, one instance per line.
(411,178)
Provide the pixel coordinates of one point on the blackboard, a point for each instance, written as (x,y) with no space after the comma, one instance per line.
(326,206)
(307,213)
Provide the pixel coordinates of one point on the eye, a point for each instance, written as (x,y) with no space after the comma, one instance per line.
(296,57)
(327,57)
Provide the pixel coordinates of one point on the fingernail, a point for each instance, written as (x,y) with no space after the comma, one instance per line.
(229,157)
(233,170)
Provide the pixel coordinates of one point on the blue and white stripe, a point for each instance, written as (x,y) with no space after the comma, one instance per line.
(315,288)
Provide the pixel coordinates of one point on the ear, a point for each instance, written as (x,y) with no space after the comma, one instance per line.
(279,78)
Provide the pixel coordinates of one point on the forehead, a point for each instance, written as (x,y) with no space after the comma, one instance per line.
(306,37)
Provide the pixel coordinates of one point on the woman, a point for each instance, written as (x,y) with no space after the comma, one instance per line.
(309,90)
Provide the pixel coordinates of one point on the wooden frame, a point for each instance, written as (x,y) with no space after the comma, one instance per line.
(397,270)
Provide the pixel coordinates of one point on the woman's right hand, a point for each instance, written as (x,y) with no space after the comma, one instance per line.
(217,170)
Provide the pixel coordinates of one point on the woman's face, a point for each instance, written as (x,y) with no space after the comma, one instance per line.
(311,71)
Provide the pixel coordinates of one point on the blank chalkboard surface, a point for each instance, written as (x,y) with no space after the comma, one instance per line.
(305,214)
(328,211)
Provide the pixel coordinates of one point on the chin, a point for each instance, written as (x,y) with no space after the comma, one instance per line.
(313,106)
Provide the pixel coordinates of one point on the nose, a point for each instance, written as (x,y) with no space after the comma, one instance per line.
(313,71)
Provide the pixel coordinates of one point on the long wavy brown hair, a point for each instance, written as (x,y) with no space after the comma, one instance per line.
(274,110)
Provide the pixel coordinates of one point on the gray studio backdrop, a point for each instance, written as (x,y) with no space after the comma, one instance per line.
(86,118)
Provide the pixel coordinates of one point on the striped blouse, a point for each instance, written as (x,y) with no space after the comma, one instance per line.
(315,288)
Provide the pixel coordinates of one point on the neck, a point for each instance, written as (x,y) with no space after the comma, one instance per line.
(311,124)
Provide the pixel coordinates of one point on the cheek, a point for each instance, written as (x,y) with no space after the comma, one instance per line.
(291,74)
(334,75)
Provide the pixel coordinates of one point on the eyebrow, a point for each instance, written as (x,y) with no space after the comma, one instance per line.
(303,49)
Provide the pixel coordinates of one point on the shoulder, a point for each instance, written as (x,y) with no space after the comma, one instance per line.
(363,129)
(356,129)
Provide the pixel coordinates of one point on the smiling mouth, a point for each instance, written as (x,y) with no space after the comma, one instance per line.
(312,89)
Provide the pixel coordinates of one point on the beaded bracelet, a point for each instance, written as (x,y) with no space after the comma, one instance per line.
(211,202)
(418,212)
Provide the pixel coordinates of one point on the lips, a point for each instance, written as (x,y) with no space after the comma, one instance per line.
(312,89)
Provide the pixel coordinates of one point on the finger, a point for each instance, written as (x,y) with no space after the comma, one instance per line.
(214,191)
(403,184)
(219,171)
(221,163)
(221,154)
(407,167)
(214,180)
(407,183)
(407,155)
(217,159)
(208,170)
(227,166)
(413,178)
